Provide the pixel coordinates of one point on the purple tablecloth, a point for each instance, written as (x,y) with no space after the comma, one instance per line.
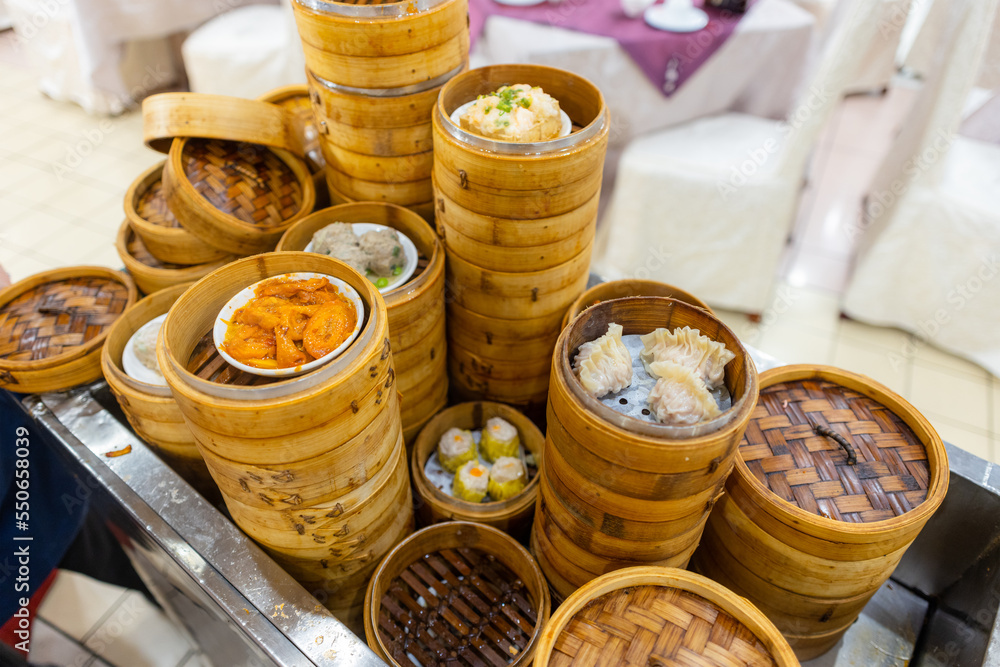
(668,59)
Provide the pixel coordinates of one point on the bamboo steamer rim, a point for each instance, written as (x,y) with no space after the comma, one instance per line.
(298,387)
(15,290)
(739,608)
(427,440)
(146,309)
(492,77)
(424,209)
(819,526)
(413,225)
(637,287)
(427,86)
(397,9)
(136,190)
(739,411)
(169,116)
(134,265)
(462,533)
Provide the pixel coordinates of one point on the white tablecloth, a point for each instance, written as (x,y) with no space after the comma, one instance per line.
(756,71)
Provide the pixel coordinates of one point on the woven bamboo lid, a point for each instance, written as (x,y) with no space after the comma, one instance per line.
(55,318)
(828,444)
(659,617)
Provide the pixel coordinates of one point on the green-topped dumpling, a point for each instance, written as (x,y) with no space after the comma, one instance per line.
(456,447)
(499,439)
(507,478)
(471,482)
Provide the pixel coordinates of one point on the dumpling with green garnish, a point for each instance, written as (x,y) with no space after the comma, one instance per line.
(518,113)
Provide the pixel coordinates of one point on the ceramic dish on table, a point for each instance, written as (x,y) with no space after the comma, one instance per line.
(224,318)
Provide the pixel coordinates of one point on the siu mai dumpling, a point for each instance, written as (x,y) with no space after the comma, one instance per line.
(689,348)
(604,365)
(518,113)
(680,398)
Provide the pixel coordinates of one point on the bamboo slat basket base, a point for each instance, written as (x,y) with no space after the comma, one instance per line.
(147,213)
(53,325)
(485,600)
(513,516)
(659,616)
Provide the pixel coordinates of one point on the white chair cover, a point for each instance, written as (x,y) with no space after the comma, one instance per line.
(930,251)
(245,52)
(708,206)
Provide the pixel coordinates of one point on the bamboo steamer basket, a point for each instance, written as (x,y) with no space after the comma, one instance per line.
(497,621)
(146,211)
(496,338)
(150,409)
(237,197)
(326,444)
(388,45)
(803,533)
(521,181)
(403,193)
(659,616)
(390,169)
(152,275)
(54,323)
(416,310)
(513,516)
(622,490)
(303,128)
(424,210)
(616,289)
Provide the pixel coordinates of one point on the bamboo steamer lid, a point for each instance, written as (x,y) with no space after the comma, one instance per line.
(147,212)
(295,100)
(835,478)
(53,325)
(496,620)
(660,616)
(150,409)
(513,515)
(150,273)
(616,289)
(237,197)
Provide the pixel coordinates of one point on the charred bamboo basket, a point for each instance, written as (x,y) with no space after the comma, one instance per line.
(152,275)
(486,600)
(160,231)
(307,444)
(834,479)
(513,516)
(237,197)
(659,616)
(151,409)
(416,309)
(387,45)
(617,289)
(53,325)
(615,490)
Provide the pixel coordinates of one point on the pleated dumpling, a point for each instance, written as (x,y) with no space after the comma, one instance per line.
(689,348)
(604,365)
(680,398)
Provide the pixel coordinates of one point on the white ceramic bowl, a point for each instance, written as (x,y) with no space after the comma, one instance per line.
(238,301)
(135,368)
(409,252)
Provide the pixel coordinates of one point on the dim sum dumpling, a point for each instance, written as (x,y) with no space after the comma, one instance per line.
(687,347)
(680,398)
(604,365)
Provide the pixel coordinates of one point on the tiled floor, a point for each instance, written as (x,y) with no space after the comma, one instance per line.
(63,175)
(87,623)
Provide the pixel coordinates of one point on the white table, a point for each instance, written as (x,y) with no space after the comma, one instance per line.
(757,70)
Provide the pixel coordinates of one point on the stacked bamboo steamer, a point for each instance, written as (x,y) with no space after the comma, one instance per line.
(615,490)
(312,467)
(374,73)
(518,224)
(295,100)
(834,480)
(151,409)
(416,309)
(235,178)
